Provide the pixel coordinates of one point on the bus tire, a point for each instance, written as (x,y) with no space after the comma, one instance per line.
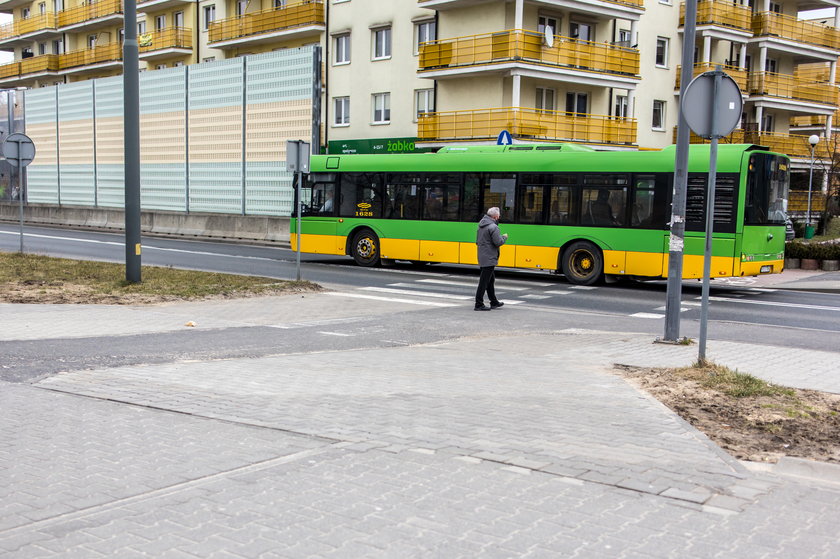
(365,248)
(582,263)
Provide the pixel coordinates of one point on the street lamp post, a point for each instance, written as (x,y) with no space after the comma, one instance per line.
(809,231)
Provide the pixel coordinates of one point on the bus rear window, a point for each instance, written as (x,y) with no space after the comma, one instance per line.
(768,183)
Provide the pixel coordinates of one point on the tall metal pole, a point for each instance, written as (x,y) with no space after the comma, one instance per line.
(11,106)
(131,135)
(299,192)
(710,220)
(676,244)
(810,182)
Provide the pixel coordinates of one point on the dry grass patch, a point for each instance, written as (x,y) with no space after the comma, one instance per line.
(748,417)
(41,279)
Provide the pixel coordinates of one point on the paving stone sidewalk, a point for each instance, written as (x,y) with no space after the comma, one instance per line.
(496,446)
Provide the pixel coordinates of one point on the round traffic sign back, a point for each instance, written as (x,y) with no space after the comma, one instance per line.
(18,149)
(697,109)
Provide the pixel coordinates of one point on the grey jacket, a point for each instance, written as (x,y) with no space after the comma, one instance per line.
(489,239)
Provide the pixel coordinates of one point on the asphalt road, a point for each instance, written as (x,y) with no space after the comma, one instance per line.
(736,311)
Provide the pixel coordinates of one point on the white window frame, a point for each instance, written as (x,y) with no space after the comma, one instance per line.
(543,96)
(341,109)
(141,27)
(424,31)
(175,20)
(424,102)
(25,13)
(342,53)
(581,24)
(240,7)
(160,22)
(381,38)
(544,21)
(658,106)
(622,107)
(666,47)
(91,41)
(209,15)
(381,104)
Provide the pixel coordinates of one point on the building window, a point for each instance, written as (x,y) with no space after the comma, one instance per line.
(42,48)
(241,6)
(160,23)
(178,20)
(160,67)
(382,43)
(209,15)
(141,27)
(658,119)
(426,31)
(342,49)
(545,99)
(42,8)
(547,23)
(621,106)
(381,108)
(58,46)
(178,64)
(209,59)
(24,13)
(581,31)
(278,4)
(624,38)
(91,41)
(342,111)
(424,101)
(662,52)
(577,103)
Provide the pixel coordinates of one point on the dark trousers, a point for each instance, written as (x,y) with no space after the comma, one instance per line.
(486,282)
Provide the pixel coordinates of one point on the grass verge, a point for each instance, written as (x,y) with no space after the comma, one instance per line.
(42,279)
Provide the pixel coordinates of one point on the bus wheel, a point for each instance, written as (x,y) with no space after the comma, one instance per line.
(365,248)
(582,263)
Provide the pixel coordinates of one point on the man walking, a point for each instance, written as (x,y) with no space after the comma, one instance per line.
(489,239)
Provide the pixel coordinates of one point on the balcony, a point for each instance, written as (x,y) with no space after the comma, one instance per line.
(793,145)
(578,61)
(737,74)
(166,43)
(625,9)
(94,59)
(29,68)
(301,18)
(24,31)
(770,26)
(716,13)
(782,86)
(531,124)
(818,72)
(817,122)
(94,14)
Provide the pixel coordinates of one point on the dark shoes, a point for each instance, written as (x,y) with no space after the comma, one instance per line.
(483,307)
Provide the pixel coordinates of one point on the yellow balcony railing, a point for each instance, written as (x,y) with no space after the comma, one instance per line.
(10,70)
(484,124)
(83,57)
(737,74)
(38,64)
(7,31)
(174,37)
(793,145)
(791,87)
(92,10)
(294,14)
(815,71)
(527,46)
(47,20)
(721,14)
(787,27)
(815,120)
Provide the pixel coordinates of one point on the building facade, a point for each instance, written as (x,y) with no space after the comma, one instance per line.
(404,75)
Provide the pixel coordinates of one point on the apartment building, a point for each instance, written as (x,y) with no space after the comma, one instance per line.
(403,75)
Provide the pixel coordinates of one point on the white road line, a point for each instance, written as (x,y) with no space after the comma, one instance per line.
(390,299)
(647,315)
(775,304)
(145,247)
(499,285)
(534,296)
(418,293)
(558,292)
(335,334)
(583,287)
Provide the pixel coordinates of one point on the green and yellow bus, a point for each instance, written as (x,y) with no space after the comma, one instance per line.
(567,209)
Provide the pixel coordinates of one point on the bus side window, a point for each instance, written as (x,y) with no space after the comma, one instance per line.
(560,205)
(642,214)
(361,195)
(500,192)
(472,189)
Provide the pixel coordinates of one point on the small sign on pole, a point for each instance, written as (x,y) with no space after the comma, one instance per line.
(504,138)
(297,161)
(19,151)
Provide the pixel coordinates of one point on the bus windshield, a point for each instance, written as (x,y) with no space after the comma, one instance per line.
(768,182)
